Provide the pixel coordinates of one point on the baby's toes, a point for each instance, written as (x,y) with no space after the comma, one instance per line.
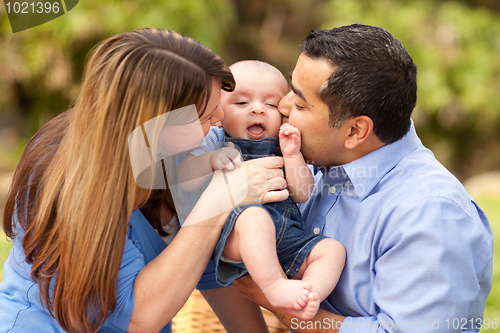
(305,299)
(308,286)
(312,306)
(301,302)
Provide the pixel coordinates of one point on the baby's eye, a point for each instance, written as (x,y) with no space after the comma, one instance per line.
(241,103)
(273,106)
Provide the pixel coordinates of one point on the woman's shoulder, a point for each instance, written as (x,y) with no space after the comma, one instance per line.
(20,298)
(142,236)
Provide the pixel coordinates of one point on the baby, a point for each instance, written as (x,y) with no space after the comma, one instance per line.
(266,239)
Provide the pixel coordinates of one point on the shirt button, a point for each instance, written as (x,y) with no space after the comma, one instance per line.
(230,144)
(316,230)
(333,189)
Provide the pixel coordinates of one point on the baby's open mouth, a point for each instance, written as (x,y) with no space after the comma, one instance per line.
(256,131)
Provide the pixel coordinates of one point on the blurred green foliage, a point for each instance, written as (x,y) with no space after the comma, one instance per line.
(40,68)
(455,44)
(457,50)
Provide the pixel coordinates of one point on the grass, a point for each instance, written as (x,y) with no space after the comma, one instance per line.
(4,252)
(492,312)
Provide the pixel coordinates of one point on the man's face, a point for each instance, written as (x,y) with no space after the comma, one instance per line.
(321,144)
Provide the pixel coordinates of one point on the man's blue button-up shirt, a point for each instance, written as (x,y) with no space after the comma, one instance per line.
(419,249)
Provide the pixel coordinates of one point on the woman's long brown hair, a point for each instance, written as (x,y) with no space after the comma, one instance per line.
(74,190)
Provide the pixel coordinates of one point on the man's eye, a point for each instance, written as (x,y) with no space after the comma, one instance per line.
(299,107)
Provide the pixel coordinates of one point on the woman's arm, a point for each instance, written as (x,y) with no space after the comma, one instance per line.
(164,285)
(194,171)
(236,313)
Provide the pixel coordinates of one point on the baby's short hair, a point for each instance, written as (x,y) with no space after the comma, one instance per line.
(261,65)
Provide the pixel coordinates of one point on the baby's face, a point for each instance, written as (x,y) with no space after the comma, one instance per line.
(251,110)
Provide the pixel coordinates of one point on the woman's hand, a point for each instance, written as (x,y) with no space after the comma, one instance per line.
(259,181)
(173,274)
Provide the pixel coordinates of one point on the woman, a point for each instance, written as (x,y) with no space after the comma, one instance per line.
(84,258)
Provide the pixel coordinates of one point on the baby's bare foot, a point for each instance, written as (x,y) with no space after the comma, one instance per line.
(288,294)
(309,311)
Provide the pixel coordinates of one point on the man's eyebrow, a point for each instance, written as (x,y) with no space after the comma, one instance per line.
(295,90)
(298,93)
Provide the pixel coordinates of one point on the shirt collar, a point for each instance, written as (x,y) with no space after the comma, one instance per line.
(366,172)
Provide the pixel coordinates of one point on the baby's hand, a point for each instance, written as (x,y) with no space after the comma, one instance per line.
(289,140)
(226,158)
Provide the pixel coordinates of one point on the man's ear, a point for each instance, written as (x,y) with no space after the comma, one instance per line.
(359,130)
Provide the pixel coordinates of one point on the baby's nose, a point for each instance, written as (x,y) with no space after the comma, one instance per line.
(257,108)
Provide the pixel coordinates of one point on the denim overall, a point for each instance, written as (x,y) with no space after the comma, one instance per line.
(292,243)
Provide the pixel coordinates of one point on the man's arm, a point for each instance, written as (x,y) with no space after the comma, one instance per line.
(432,267)
(330,321)
(236,313)
(432,271)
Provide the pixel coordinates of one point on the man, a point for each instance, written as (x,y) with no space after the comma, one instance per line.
(419,249)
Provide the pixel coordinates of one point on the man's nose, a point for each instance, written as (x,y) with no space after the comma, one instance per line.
(285,104)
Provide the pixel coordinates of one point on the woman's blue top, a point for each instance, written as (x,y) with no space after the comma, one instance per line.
(20,306)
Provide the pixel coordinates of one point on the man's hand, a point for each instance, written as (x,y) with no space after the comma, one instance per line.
(251,290)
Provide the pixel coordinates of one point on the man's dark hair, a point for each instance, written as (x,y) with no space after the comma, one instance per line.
(374,77)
